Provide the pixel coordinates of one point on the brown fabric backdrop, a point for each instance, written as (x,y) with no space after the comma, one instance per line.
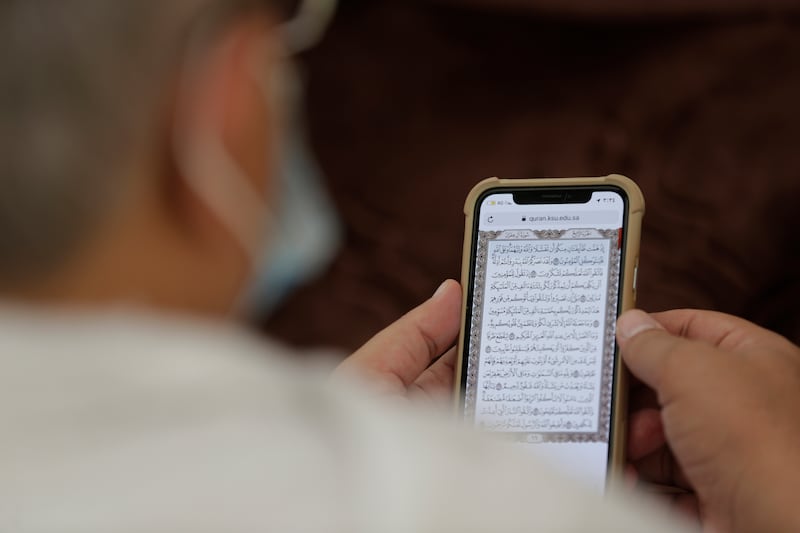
(412,103)
(634,8)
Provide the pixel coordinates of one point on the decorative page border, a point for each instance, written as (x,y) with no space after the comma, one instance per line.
(476,321)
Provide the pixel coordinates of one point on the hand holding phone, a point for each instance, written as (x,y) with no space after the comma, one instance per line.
(548,267)
(725,425)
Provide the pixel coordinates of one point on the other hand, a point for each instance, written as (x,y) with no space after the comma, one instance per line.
(414,357)
(725,423)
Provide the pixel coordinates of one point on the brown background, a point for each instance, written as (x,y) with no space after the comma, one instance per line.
(412,102)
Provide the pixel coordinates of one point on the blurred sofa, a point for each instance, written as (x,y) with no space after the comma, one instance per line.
(411,102)
(634,8)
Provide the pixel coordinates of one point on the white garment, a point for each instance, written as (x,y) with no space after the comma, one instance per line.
(123,423)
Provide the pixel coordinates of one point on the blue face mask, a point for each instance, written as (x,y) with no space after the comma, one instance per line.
(294,236)
(306,232)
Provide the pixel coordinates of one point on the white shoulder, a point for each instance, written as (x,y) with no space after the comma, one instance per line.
(134,424)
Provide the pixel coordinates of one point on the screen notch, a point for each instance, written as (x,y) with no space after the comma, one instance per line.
(553,196)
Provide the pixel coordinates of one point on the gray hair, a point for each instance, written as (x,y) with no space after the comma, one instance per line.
(83,86)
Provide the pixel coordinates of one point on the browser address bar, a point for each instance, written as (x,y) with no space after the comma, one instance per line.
(554,217)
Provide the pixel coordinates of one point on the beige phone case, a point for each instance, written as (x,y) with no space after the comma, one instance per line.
(627,289)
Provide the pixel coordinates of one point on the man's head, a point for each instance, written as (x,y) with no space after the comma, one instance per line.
(108,109)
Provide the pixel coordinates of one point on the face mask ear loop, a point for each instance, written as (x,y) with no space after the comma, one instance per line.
(209,170)
(308,28)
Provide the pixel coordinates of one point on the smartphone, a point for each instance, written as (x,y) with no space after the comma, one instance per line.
(549,265)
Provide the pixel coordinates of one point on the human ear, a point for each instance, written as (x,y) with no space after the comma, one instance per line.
(223,131)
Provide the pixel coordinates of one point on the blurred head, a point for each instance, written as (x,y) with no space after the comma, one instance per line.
(136,145)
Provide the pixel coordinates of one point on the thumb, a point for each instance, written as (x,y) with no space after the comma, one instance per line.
(650,351)
(406,348)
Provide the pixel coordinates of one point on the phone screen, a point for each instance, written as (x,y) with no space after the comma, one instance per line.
(540,349)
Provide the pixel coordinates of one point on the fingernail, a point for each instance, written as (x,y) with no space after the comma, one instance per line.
(635,322)
(442,288)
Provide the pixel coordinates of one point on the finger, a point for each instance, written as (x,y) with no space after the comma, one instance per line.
(661,468)
(406,348)
(649,350)
(645,433)
(629,477)
(436,382)
(718,329)
(688,506)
